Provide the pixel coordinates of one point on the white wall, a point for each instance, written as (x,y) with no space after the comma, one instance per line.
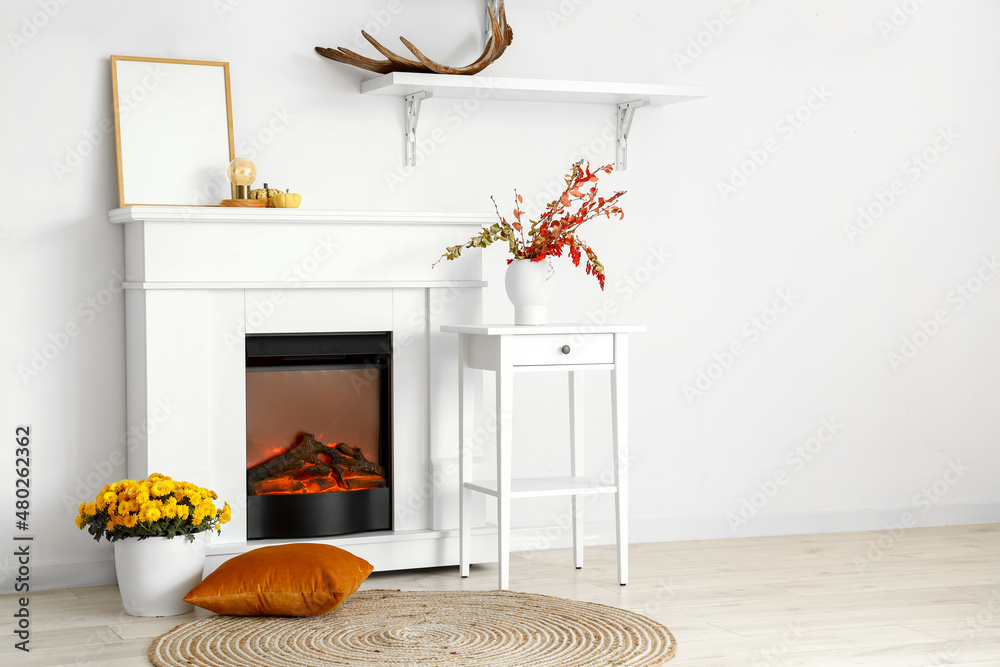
(886,95)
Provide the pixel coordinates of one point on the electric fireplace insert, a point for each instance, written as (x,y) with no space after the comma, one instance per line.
(319,434)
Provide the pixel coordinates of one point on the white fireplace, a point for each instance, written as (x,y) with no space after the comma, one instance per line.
(198,280)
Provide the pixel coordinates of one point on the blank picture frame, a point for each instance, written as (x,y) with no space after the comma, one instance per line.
(173,130)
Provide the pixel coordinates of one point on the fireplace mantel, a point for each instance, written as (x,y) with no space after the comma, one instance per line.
(199,279)
(170,247)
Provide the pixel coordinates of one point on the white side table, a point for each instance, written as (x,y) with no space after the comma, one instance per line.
(508,349)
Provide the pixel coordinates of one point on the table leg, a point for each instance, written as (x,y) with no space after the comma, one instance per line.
(505,402)
(576,459)
(619,425)
(465,422)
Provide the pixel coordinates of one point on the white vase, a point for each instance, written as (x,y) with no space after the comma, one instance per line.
(529,287)
(156,573)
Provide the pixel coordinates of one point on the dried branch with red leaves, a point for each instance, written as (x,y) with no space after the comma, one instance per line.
(556,229)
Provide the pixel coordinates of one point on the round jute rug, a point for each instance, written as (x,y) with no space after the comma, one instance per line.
(408,628)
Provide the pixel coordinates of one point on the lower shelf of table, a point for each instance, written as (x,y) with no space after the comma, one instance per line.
(539,487)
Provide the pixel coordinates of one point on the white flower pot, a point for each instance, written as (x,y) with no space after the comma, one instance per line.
(529,287)
(156,573)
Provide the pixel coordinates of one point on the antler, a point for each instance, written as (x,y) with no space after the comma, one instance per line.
(501,38)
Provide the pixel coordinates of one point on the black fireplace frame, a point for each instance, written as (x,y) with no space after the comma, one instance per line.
(307,515)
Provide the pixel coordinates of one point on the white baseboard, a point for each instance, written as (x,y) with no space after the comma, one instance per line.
(721,527)
(439,548)
(69,575)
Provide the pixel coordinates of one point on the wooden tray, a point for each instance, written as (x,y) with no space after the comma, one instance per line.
(246,203)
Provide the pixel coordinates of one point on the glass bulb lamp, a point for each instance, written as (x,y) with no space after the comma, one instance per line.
(241,173)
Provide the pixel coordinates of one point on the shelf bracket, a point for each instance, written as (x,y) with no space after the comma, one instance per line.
(625,112)
(495,5)
(412,109)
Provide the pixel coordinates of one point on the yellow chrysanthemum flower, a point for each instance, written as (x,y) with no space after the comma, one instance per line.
(199,515)
(149,512)
(162,488)
(80,522)
(227,514)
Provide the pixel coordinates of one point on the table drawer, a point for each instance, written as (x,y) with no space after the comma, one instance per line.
(562,349)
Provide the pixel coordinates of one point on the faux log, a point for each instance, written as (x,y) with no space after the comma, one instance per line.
(312,461)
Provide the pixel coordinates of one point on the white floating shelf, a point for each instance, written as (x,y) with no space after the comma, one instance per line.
(416,87)
(401,84)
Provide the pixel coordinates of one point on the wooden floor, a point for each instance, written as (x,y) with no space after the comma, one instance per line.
(925,597)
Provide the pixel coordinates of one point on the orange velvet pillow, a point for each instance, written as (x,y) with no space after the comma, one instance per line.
(283,580)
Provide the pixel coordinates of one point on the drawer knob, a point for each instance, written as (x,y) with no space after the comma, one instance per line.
(565,349)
